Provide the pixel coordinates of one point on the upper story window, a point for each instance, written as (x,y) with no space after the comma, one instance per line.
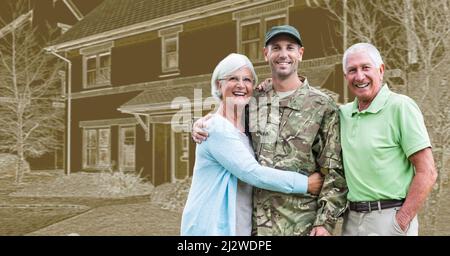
(170,49)
(97,65)
(253,23)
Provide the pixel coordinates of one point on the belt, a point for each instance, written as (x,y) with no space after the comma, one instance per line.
(375,205)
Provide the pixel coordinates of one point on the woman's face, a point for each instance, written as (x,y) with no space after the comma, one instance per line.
(237,87)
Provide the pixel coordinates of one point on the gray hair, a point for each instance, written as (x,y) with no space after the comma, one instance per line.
(228,65)
(370,49)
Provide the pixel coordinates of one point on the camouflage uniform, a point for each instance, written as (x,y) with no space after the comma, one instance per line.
(301,135)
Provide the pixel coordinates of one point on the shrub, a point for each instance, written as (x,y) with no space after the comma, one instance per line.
(172,196)
(8,165)
(120,182)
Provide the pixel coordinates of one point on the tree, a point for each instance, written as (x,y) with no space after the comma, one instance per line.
(412,34)
(29,86)
(427,28)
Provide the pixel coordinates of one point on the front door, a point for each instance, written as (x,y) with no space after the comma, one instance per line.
(180,155)
(161,154)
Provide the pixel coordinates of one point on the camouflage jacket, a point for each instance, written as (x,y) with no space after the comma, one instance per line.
(298,133)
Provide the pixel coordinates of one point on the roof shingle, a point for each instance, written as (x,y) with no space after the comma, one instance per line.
(114,14)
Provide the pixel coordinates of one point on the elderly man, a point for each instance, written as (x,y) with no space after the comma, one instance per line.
(386,151)
(295,127)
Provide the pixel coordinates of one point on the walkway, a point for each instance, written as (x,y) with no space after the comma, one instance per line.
(141,219)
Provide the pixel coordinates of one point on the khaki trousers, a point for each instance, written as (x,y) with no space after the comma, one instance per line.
(376,223)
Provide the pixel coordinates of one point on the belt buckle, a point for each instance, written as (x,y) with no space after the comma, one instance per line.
(378,206)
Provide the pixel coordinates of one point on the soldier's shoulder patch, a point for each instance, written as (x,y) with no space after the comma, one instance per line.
(321,97)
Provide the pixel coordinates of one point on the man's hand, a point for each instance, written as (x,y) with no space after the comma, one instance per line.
(420,188)
(198,129)
(319,231)
(315,182)
(403,222)
(264,85)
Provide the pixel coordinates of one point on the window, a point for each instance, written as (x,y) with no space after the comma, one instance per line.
(252,25)
(97,66)
(250,43)
(98,70)
(96,144)
(170,49)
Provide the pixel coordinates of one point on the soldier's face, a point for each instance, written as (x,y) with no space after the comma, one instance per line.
(237,87)
(283,54)
(364,79)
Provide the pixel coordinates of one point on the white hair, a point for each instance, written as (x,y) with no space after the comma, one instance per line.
(227,66)
(371,51)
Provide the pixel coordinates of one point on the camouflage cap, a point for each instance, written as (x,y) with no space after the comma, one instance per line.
(284,29)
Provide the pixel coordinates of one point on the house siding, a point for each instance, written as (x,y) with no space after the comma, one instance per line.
(77,74)
(136,63)
(202,49)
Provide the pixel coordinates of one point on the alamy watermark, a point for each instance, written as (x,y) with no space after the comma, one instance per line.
(262,115)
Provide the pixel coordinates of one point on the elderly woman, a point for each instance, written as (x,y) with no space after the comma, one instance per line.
(219,202)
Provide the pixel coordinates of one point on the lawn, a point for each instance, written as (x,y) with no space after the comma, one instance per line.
(48,197)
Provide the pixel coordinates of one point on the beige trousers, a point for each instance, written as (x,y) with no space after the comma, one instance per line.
(376,223)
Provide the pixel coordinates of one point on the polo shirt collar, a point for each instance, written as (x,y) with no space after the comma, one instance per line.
(377,104)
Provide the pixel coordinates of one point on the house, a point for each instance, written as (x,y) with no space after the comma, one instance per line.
(136,65)
(59,15)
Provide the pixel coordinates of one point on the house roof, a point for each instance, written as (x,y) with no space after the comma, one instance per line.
(114,14)
(164,97)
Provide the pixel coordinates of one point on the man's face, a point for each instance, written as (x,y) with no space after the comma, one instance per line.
(364,79)
(283,54)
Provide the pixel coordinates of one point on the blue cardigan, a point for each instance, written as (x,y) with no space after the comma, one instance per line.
(220,160)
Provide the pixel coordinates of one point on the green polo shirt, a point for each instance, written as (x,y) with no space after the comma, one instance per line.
(376,144)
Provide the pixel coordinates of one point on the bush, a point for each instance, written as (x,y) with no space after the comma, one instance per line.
(172,196)
(8,165)
(86,185)
(119,182)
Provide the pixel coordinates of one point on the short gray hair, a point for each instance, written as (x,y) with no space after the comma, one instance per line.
(370,49)
(228,65)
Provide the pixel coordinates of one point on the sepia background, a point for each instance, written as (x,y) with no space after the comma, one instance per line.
(89,90)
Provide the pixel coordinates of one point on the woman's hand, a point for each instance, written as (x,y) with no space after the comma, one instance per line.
(264,85)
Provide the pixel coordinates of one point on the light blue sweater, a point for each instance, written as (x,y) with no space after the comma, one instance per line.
(221,160)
